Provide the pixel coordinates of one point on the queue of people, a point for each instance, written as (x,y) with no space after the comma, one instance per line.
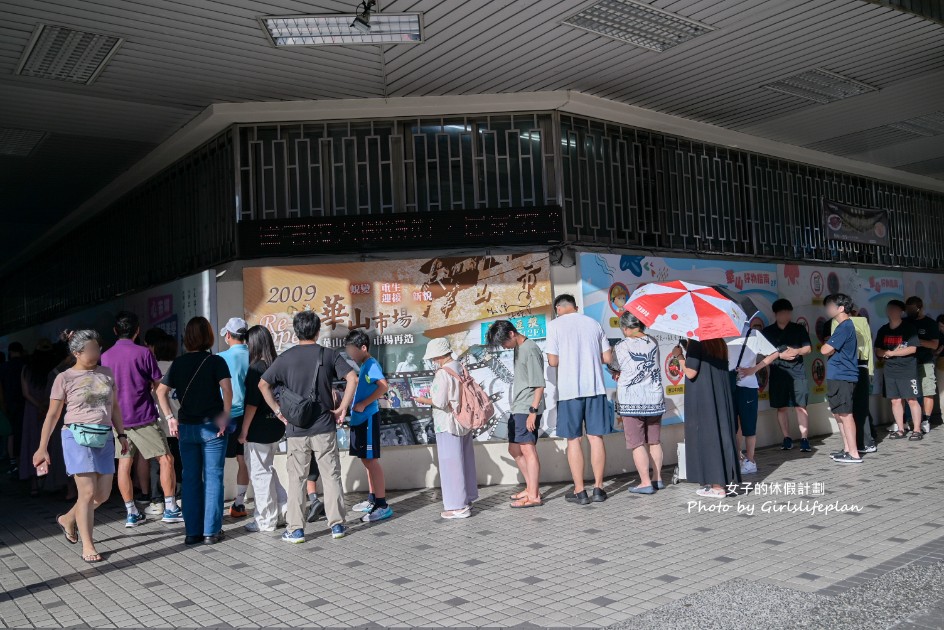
(242,402)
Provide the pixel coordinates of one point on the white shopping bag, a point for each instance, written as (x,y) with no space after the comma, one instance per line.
(681,461)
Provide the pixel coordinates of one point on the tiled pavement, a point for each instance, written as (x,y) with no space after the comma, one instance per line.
(635,561)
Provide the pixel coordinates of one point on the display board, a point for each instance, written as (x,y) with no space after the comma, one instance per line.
(168,306)
(401,305)
(609,279)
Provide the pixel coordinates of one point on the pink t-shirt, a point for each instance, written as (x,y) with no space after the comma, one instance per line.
(89,395)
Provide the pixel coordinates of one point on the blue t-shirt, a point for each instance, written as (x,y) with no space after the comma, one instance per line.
(370,373)
(843,365)
(237,359)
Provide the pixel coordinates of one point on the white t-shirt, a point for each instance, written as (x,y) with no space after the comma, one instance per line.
(578,341)
(748,360)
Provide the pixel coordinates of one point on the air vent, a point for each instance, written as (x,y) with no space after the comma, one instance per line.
(637,24)
(338,29)
(820,86)
(927,125)
(64,54)
(863,141)
(932,168)
(19,142)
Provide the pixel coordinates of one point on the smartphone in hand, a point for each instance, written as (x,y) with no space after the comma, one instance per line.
(42,470)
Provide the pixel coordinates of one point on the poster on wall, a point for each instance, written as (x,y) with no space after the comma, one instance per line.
(401,305)
(168,307)
(842,222)
(609,279)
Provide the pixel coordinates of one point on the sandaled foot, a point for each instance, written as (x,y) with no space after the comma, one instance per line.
(92,558)
(897,435)
(915,436)
(519,495)
(71,534)
(528,502)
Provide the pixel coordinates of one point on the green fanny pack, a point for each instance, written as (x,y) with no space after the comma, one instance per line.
(91,435)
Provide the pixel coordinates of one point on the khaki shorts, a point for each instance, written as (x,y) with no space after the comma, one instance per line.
(928,379)
(149,440)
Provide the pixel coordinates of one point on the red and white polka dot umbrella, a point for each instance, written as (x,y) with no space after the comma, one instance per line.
(690,310)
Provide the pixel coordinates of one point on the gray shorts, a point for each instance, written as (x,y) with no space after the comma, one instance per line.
(928,378)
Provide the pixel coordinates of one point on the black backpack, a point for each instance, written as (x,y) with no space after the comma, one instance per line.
(303,411)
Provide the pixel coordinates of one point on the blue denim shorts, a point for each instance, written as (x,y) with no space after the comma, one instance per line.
(593,411)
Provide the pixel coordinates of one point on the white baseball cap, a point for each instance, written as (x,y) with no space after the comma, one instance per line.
(235,325)
(437,348)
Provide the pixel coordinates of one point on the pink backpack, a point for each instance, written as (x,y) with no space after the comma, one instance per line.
(475,408)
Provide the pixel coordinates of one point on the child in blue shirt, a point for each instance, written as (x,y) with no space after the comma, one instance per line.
(365,425)
(842,373)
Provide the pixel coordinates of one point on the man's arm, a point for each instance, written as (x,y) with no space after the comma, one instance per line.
(349,389)
(553,360)
(266,390)
(826,350)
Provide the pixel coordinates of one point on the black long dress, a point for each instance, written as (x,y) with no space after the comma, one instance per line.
(711,455)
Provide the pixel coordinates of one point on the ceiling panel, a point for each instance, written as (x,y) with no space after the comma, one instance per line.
(179,56)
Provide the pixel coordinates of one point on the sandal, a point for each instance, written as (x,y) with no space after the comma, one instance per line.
(896,435)
(527,502)
(92,558)
(915,436)
(74,538)
(519,495)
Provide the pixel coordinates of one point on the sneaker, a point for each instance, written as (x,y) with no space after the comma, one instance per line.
(253,527)
(173,516)
(805,445)
(379,514)
(465,512)
(156,508)
(298,536)
(748,467)
(838,454)
(134,520)
(364,506)
(926,426)
(787,444)
(316,510)
(580,498)
(338,531)
(599,495)
(846,458)
(870,449)
(238,511)
(892,427)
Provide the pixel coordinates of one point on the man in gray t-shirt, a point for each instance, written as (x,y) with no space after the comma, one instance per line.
(527,405)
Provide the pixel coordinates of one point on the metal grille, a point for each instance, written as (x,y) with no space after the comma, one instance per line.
(631,188)
(413,165)
(178,222)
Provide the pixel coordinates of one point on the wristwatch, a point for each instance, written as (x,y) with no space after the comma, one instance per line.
(532,409)
(121,435)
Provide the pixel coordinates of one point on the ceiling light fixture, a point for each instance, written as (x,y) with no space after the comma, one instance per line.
(19,142)
(820,86)
(363,27)
(637,24)
(927,125)
(65,54)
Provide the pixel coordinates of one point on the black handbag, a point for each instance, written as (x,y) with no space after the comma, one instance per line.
(302,411)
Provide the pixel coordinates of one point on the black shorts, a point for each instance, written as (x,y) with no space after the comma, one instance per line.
(518,429)
(233,447)
(902,387)
(365,439)
(786,391)
(840,396)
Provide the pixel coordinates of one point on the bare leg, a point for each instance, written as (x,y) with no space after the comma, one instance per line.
(750,443)
(168,476)
(375,477)
(575,460)
(515,451)
(783,419)
(803,419)
(641,460)
(531,470)
(915,416)
(125,485)
(311,487)
(242,471)
(597,459)
(848,429)
(898,413)
(83,513)
(928,405)
(655,454)
(142,470)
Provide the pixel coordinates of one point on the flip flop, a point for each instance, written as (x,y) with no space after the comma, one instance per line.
(75,534)
(519,495)
(92,558)
(527,502)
